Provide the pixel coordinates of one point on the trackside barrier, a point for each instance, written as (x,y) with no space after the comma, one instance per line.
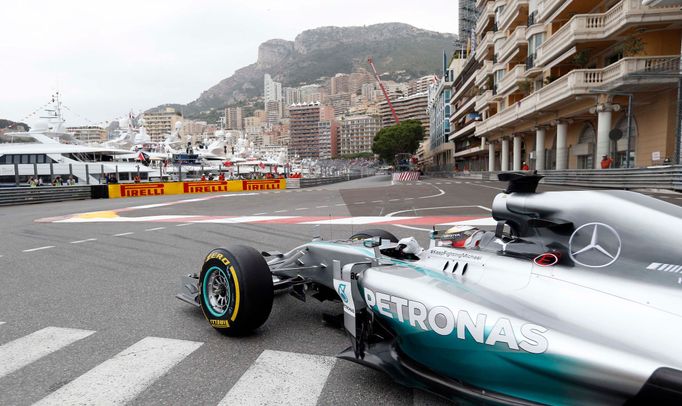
(175,188)
(405,176)
(28,195)
(311,182)
(655,177)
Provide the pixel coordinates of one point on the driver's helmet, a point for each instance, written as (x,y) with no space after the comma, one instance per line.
(461,237)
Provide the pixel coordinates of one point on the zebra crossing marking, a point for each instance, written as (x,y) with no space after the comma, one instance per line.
(279,377)
(121,378)
(25,350)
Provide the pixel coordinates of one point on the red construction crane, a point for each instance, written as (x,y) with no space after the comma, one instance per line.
(383,89)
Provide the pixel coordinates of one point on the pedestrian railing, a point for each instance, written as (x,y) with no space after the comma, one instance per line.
(27,195)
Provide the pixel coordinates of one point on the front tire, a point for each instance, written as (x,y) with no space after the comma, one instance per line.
(235,289)
(374,232)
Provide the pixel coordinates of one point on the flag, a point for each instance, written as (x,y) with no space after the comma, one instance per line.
(261,165)
(227,163)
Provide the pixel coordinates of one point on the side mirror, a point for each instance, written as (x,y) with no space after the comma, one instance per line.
(372,242)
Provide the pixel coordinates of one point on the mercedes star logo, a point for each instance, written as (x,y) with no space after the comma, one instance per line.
(594,245)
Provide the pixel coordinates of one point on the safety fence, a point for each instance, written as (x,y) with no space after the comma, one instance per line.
(311,182)
(667,177)
(28,195)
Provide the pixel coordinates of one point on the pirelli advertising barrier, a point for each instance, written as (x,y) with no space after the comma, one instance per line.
(177,188)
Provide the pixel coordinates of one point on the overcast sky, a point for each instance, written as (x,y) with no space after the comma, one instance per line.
(108,57)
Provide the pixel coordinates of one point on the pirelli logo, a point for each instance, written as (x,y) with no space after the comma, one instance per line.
(205,187)
(142,189)
(261,184)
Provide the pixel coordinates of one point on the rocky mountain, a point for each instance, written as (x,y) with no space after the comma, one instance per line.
(323,52)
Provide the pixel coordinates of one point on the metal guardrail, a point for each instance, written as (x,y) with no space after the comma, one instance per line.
(27,195)
(657,177)
(310,182)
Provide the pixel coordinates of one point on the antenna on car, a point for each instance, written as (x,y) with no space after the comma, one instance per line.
(520,182)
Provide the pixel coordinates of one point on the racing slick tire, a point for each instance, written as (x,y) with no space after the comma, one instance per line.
(235,289)
(374,232)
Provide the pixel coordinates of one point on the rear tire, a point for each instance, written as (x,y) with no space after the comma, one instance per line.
(235,289)
(374,232)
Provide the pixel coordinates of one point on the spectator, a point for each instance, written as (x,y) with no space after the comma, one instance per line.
(40,181)
(606,162)
(203,177)
(221,177)
(137,179)
(210,176)
(524,166)
(32,182)
(667,161)
(71,181)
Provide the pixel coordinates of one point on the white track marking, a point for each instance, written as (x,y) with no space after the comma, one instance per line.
(279,211)
(244,219)
(122,234)
(377,201)
(278,377)
(82,241)
(39,248)
(118,380)
(183,225)
(340,204)
(259,214)
(2,322)
(357,220)
(301,208)
(393,200)
(321,207)
(25,350)
(155,229)
(482,221)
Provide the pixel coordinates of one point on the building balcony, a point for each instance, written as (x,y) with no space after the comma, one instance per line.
(578,82)
(483,72)
(466,130)
(511,12)
(510,79)
(484,46)
(469,151)
(467,107)
(514,42)
(483,100)
(548,7)
(595,27)
(483,19)
(466,87)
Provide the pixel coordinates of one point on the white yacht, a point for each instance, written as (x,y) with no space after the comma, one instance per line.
(48,151)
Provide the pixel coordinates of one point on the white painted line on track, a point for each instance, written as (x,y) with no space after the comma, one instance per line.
(320,207)
(358,220)
(245,219)
(39,248)
(25,350)
(377,201)
(155,229)
(118,380)
(183,225)
(340,204)
(279,211)
(82,241)
(122,234)
(2,322)
(360,202)
(259,214)
(409,198)
(301,208)
(278,377)
(393,200)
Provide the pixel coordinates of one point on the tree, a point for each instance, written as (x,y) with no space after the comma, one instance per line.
(397,139)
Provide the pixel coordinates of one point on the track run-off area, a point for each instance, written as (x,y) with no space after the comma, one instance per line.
(88,313)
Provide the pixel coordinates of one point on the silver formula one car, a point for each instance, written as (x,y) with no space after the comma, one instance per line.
(575,298)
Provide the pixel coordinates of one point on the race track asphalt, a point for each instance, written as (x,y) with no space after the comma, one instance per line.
(119,279)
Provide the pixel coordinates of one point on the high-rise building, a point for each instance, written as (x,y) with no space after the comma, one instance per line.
(311,93)
(440,150)
(233,118)
(412,107)
(273,111)
(356,134)
(568,82)
(420,85)
(304,130)
(468,14)
(358,80)
(328,130)
(339,83)
(160,124)
(272,91)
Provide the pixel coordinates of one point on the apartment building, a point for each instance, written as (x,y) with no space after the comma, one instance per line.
(160,124)
(328,135)
(559,84)
(89,134)
(357,133)
(412,107)
(234,118)
(304,130)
